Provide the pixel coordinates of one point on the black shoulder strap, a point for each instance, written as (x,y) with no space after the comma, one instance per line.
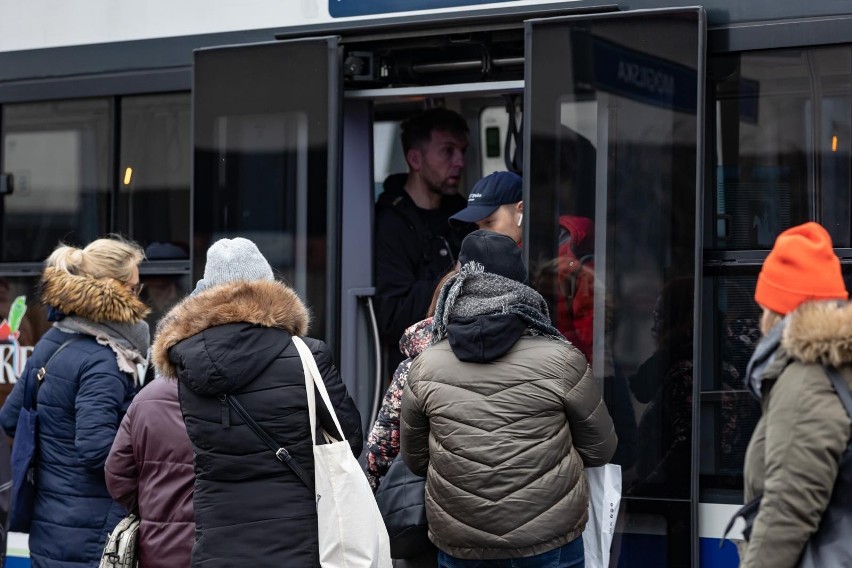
(43,370)
(280,452)
(841,387)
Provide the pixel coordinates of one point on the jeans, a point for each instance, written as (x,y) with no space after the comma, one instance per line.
(569,556)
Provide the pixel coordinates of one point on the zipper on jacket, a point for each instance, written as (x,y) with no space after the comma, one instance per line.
(226,411)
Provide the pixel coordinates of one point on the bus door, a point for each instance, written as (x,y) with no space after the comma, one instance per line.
(267,150)
(613,134)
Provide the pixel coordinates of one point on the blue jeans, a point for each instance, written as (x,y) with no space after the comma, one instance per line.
(569,556)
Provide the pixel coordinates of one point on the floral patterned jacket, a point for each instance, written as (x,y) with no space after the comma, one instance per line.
(383,443)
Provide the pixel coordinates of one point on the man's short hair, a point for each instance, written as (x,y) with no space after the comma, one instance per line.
(418,129)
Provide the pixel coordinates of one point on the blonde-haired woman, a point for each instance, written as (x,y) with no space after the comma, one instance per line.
(92,298)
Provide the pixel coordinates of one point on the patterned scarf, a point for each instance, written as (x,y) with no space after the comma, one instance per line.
(128,341)
(473,292)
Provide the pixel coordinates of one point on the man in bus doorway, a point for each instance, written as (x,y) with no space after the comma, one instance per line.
(415,246)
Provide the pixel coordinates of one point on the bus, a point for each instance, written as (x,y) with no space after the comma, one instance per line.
(690,135)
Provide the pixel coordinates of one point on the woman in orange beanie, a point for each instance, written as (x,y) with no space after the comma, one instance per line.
(794,455)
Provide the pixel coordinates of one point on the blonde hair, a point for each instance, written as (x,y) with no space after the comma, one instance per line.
(113,257)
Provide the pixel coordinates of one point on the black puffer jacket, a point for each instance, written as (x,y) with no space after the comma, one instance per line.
(251,509)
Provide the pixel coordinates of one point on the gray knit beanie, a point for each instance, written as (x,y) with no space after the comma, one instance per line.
(233,259)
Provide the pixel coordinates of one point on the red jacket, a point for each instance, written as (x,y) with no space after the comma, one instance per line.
(575,303)
(151,460)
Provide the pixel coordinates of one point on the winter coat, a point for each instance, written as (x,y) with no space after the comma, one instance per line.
(793,456)
(503,441)
(235,340)
(151,464)
(383,442)
(80,406)
(410,259)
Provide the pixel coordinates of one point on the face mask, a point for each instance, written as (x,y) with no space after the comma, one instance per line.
(520,219)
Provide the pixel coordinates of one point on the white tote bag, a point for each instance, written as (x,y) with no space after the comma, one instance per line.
(352,533)
(604,501)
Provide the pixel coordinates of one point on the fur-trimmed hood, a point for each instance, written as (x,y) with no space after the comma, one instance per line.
(257,303)
(96,299)
(820,332)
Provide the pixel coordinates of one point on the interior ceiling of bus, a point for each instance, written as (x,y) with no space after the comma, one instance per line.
(453,56)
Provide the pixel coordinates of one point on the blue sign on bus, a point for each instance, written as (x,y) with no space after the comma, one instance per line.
(344,8)
(643,77)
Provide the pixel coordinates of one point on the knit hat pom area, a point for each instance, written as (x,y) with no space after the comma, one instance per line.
(802,266)
(229,260)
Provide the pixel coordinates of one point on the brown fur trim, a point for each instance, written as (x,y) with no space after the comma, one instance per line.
(97,299)
(261,302)
(820,332)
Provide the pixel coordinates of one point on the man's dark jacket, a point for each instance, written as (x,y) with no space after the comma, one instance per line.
(410,259)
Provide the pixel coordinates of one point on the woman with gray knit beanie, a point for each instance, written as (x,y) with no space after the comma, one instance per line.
(232,338)
(501,414)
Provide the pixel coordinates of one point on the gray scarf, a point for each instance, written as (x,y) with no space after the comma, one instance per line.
(473,292)
(129,341)
(762,357)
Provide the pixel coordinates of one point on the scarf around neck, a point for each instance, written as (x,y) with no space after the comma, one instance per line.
(129,341)
(763,355)
(473,292)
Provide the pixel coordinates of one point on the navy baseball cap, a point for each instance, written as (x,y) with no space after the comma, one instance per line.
(489,193)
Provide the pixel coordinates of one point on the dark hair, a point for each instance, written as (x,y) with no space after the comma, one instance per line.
(418,128)
(436,295)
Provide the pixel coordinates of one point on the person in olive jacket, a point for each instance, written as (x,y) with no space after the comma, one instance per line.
(794,454)
(150,467)
(232,338)
(501,414)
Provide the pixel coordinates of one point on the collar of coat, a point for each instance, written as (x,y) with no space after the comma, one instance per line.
(96,299)
(820,332)
(260,302)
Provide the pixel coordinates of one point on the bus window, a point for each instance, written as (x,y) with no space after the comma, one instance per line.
(58,154)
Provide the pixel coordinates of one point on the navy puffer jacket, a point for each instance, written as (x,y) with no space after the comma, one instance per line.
(235,339)
(80,406)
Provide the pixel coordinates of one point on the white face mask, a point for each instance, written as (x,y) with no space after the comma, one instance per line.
(520,219)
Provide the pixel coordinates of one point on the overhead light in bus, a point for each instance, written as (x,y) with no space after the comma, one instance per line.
(128,174)
(834,143)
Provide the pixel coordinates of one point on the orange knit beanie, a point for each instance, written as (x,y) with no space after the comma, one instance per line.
(801,266)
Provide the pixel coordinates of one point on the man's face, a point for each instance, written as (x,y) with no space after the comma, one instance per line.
(442,161)
(504,220)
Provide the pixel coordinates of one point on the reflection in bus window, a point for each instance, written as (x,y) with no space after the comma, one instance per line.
(59,156)
(784,121)
(154,171)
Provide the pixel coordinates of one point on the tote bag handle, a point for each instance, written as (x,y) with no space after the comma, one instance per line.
(313,377)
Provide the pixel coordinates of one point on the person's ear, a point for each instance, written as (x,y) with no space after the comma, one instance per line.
(414,157)
(519,206)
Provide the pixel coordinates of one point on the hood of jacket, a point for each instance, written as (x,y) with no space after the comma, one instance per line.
(394,188)
(416,338)
(96,299)
(484,338)
(218,340)
(582,231)
(817,332)
(820,332)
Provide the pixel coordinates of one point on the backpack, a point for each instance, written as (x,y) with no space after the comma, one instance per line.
(121,550)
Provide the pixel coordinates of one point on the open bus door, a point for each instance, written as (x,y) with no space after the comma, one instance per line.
(267,151)
(613,132)
(270,128)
